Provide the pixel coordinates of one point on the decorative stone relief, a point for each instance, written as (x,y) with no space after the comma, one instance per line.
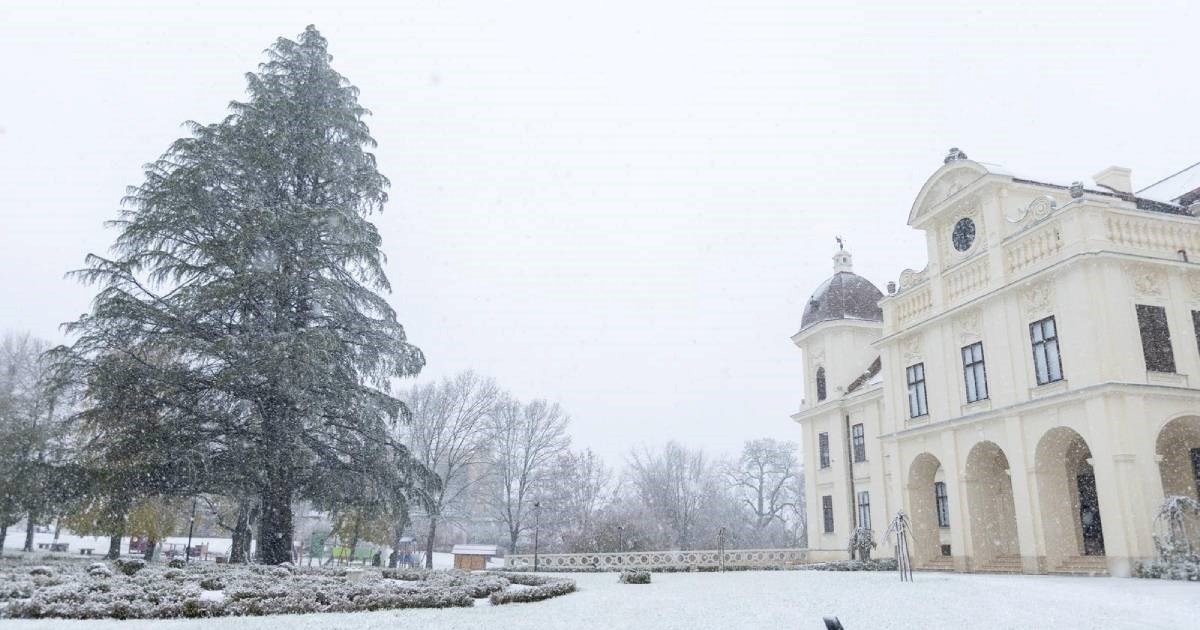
(908,277)
(1036,210)
(1038,298)
(911,347)
(1147,281)
(968,326)
(1193,281)
(947,187)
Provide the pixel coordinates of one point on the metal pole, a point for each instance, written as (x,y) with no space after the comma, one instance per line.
(187,551)
(537,521)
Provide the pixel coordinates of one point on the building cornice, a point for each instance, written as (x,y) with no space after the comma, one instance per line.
(1031,278)
(1070,395)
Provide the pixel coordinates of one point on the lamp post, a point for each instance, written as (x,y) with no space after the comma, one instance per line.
(537,521)
(187,551)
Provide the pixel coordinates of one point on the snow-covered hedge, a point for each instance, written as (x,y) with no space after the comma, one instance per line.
(881,564)
(77,590)
(533,588)
(635,576)
(1173,570)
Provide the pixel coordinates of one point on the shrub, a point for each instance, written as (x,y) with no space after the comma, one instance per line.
(176,563)
(73,592)
(554,587)
(41,570)
(212,584)
(99,570)
(635,576)
(882,564)
(130,566)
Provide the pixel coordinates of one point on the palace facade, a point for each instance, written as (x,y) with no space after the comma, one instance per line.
(1030,397)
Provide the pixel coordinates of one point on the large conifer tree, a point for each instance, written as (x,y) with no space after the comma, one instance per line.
(247,256)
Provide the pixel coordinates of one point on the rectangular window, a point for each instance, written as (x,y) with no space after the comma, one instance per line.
(943,503)
(859,440)
(1195,453)
(864,509)
(827,513)
(1047,362)
(974,373)
(823,448)
(1156,338)
(917,405)
(1196,327)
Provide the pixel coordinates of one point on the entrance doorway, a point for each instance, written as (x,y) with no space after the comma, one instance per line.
(1089,515)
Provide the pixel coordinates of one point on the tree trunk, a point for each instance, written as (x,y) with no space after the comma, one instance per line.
(394,558)
(429,542)
(354,536)
(513,535)
(275,526)
(114,547)
(151,547)
(28,534)
(240,544)
(3,535)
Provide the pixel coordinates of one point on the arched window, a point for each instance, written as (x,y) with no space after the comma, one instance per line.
(820,384)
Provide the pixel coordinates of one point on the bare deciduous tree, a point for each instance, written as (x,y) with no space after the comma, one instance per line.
(525,441)
(675,484)
(447,435)
(582,487)
(763,480)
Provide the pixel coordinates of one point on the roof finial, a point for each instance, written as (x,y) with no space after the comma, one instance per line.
(954,155)
(842,260)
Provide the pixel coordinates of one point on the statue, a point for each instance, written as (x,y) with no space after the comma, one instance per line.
(899,528)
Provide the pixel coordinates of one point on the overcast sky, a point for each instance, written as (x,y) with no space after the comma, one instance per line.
(620,205)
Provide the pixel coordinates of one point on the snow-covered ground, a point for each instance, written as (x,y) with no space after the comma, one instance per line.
(770,600)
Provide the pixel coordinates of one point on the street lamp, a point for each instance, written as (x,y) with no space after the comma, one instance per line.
(187,551)
(537,521)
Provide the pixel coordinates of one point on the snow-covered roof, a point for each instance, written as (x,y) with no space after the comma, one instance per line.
(475,550)
(1174,187)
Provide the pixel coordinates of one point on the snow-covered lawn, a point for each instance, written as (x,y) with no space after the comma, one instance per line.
(771,600)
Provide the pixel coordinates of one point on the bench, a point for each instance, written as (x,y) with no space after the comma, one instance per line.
(43,545)
(85,551)
(59,546)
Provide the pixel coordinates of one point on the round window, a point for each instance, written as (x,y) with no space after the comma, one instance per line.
(964,234)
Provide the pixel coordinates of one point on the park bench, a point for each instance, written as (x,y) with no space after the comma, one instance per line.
(59,546)
(43,545)
(85,551)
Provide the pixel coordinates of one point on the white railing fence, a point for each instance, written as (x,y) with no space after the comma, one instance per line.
(677,560)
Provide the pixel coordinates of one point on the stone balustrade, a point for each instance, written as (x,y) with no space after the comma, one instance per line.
(669,560)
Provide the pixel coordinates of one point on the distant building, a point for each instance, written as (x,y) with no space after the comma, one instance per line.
(1028,398)
(473,557)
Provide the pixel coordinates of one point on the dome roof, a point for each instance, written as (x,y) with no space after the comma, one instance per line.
(846,295)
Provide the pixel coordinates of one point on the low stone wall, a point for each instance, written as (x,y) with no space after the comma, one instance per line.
(661,560)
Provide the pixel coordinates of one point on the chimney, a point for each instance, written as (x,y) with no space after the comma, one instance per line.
(1115,178)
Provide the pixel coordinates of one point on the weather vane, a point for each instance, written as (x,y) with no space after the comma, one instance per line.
(840,244)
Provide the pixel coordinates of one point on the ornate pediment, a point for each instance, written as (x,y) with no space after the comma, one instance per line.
(945,185)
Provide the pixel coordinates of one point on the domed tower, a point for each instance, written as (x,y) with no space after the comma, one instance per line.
(841,320)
